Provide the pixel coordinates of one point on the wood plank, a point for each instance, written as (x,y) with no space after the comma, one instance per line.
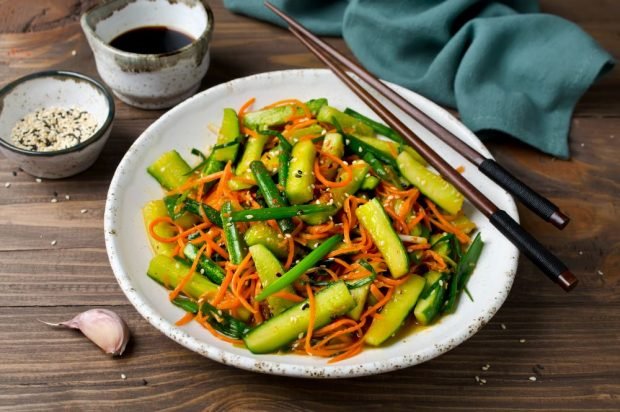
(83,378)
(571,339)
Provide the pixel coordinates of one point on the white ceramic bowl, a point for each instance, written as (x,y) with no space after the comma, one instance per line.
(150,81)
(185,127)
(62,89)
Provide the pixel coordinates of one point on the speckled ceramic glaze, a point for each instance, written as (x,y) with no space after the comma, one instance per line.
(150,81)
(129,251)
(55,89)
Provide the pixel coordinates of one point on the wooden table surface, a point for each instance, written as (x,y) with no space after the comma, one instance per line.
(569,342)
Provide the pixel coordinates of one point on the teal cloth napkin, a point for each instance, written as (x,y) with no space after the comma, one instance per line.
(503,65)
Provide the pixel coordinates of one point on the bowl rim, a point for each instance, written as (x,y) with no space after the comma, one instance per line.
(249,361)
(205,36)
(101,131)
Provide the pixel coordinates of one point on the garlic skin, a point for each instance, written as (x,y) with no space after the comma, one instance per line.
(103,327)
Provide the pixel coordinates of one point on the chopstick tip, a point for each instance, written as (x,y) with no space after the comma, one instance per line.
(567,280)
(559,219)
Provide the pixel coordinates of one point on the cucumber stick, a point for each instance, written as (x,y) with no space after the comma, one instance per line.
(151,211)
(269,269)
(261,233)
(431,300)
(279,115)
(331,302)
(395,311)
(375,220)
(169,272)
(430,184)
(300,180)
(229,132)
(349,124)
(253,151)
(359,295)
(339,194)
(334,145)
(170,170)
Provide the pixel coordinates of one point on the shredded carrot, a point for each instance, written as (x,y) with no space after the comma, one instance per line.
(312,312)
(191,183)
(291,252)
(347,174)
(188,277)
(445,225)
(288,296)
(245,107)
(187,318)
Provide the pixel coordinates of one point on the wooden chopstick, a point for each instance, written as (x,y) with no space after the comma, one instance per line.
(539,204)
(553,267)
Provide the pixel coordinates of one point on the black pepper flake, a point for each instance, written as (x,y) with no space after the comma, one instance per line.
(305,306)
(298,173)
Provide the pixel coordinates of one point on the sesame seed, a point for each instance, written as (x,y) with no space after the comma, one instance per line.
(600,272)
(123,376)
(248,217)
(483,381)
(84,211)
(486,367)
(532,378)
(581,252)
(477,378)
(522,340)
(67,197)
(54,200)
(73,52)
(7,184)
(38,180)
(503,326)
(53,243)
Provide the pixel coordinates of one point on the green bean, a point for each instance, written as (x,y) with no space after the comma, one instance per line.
(253,215)
(206,266)
(270,192)
(194,206)
(237,249)
(302,267)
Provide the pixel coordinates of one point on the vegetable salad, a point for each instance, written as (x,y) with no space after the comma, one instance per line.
(307,229)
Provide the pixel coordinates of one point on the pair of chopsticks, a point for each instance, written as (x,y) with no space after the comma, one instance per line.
(526,243)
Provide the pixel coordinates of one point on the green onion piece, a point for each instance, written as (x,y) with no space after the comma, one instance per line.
(253,215)
(302,267)
(464,270)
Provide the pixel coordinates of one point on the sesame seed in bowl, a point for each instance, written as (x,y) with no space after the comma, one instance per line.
(54,124)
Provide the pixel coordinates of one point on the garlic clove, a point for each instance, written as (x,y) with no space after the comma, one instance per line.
(103,327)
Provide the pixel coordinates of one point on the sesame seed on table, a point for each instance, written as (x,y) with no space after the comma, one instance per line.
(544,350)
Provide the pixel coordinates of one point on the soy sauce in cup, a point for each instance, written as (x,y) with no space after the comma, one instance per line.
(151,40)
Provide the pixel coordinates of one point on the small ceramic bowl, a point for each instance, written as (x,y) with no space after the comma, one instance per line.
(55,89)
(150,81)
